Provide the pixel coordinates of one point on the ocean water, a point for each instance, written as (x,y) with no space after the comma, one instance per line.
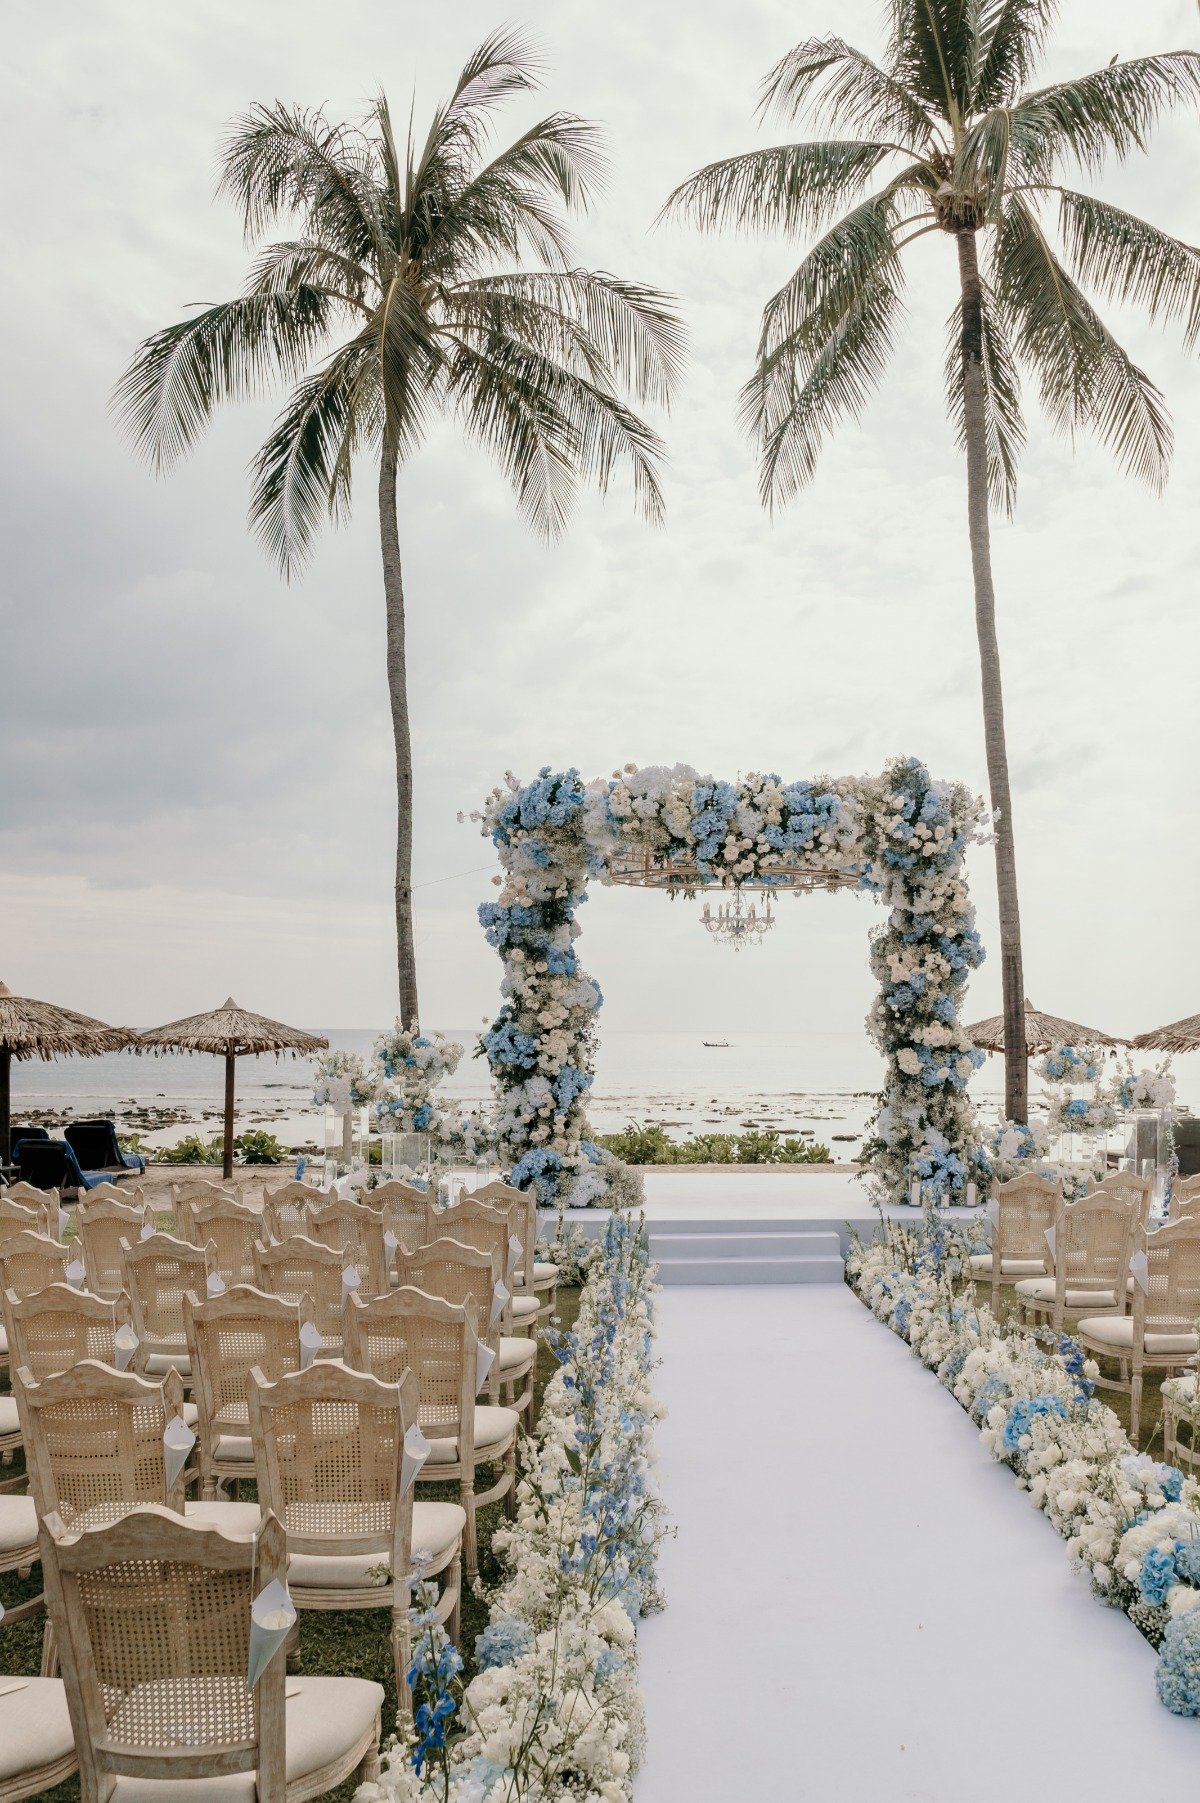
(820,1083)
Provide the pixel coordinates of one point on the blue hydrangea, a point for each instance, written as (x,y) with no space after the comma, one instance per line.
(1178,1676)
(1024,1412)
(1156,1576)
(502,1642)
(609,1662)
(1187,1561)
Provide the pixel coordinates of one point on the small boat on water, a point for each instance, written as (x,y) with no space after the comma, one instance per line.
(716,1045)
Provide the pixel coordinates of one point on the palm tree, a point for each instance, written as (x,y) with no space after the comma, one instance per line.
(960,145)
(399,296)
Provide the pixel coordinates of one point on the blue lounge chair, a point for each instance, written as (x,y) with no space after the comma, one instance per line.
(51,1164)
(94,1144)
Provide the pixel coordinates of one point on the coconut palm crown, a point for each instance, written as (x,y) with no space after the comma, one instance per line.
(401,295)
(955,140)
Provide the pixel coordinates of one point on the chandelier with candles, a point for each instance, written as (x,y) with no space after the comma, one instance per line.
(732,924)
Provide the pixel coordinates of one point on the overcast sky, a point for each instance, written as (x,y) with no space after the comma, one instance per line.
(197,792)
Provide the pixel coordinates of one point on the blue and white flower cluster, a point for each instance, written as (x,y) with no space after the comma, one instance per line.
(1131,1522)
(554,1713)
(342,1082)
(901,836)
(410,1065)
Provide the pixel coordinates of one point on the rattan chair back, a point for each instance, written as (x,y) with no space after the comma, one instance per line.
(1170,1303)
(31,1197)
(1130,1188)
(520,1205)
(302,1268)
(158,1273)
(185,1196)
(23,1217)
(285,1207)
(459,1274)
(59,1326)
(1185,1196)
(228,1336)
(403,1209)
(94,1441)
(30,1261)
(101,1227)
(153,1619)
(232,1229)
(407,1330)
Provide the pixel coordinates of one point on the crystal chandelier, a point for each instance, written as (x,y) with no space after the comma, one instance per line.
(731,924)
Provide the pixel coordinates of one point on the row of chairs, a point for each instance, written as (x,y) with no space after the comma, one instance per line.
(1135,1289)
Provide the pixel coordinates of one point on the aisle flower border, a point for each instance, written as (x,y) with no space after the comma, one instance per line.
(556,1703)
(1130,1522)
(900,836)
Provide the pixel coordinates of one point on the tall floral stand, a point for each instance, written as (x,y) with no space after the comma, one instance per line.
(346,1131)
(407,1156)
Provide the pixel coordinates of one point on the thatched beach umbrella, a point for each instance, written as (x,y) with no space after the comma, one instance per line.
(30,1029)
(1180,1036)
(1042,1032)
(230,1033)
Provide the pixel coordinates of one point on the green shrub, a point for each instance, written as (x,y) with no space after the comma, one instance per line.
(259,1148)
(248,1148)
(192,1150)
(650,1145)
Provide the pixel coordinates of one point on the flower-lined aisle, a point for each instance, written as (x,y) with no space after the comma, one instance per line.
(1131,1523)
(554,1713)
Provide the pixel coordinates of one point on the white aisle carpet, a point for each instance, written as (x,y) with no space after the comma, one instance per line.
(860,1603)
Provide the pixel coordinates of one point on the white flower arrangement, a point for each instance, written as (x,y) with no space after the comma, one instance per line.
(1132,1523)
(554,1714)
(410,1065)
(342,1082)
(901,836)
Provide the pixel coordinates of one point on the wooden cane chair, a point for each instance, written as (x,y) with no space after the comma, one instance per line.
(284,1208)
(407,1330)
(28,1217)
(189,1194)
(490,1229)
(37,1742)
(1093,1239)
(1129,1187)
(403,1209)
(58,1326)
(329,1456)
(522,1208)
(355,1231)
(158,1273)
(232,1229)
(464,1275)
(299,1267)
(28,1263)
(227,1337)
(101,1229)
(1026,1207)
(132,1197)
(1159,1333)
(1185,1197)
(153,1613)
(30,1196)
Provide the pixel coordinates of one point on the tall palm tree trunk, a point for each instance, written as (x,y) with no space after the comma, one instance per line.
(397,672)
(1016,1061)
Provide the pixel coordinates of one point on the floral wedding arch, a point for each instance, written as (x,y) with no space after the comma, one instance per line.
(900,836)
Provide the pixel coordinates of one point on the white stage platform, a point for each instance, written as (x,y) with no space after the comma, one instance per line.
(869,1607)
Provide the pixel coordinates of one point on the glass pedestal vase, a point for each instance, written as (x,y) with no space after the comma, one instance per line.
(460,1175)
(407,1157)
(346,1136)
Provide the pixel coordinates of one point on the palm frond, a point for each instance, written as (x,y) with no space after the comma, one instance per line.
(933,52)
(514,203)
(1009,41)
(632,332)
(301,476)
(1128,260)
(798,395)
(1005,424)
(1112,111)
(789,187)
(504,64)
(177,377)
(287,264)
(290,162)
(844,86)
(408,356)
(1086,380)
(550,428)
(855,253)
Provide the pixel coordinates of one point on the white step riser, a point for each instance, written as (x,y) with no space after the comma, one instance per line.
(783,1226)
(745,1245)
(714,1271)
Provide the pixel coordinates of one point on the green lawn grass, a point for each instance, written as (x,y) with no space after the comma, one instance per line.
(344,1643)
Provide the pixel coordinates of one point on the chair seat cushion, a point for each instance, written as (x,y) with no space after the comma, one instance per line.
(159,1363)
(1041,1289)
(325,1718)
(494,1429)
(437,1529)
(3,1344)
(1117,1331)
(10,1421)
(35,1729)
(232,1517)
(524,1308)
(543,1273)
(981,1266)
(516,1356)
(238,1449)
(18,1525)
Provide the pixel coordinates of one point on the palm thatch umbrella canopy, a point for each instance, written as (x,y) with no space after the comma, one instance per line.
(30,1029)
(1180,1036)
(231,1033)
(1042,1032)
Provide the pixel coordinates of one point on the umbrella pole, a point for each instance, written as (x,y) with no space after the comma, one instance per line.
(5,1104)
(230,1068)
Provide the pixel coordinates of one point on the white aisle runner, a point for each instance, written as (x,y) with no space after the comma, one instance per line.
(861,1604)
